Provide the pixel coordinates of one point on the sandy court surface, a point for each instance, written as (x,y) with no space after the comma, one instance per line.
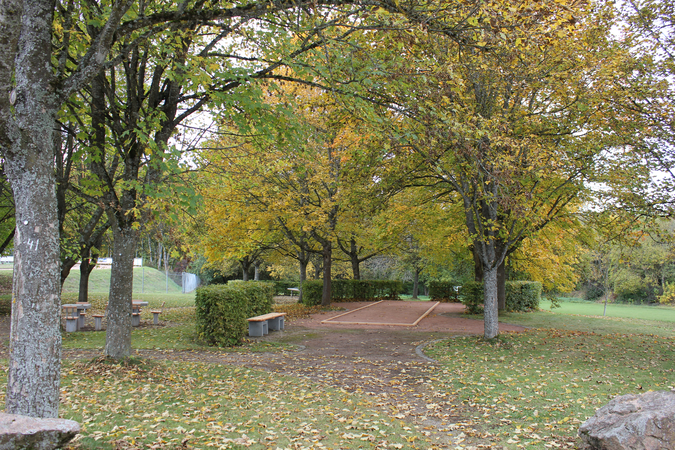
(445,317)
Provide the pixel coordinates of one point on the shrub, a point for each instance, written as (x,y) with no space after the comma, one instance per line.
(523,295)
(520,296)
(222,310)
(443,291)
(471,294)
(347,290)
(281,286)
(668,296)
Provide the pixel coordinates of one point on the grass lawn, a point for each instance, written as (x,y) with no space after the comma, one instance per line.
(533,390)
(530,390)
(146,280)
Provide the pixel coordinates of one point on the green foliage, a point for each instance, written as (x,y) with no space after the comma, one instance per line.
(281,286)
(222,310)
(523,295)
(364,290)
(311,292)
(668,296)
(443,291)
(520,296)
(471,294)
(350,290)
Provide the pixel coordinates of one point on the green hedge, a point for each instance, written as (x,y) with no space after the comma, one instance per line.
(222,310)
(443,291)
(346,290)
(520,296)
(281,286)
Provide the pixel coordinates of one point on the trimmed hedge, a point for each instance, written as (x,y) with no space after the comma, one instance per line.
(281,286)
(520,296)
(347,290)
(222,310)
(443,291)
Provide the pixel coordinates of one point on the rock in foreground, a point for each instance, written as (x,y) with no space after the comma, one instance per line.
(635,422)
(19,432)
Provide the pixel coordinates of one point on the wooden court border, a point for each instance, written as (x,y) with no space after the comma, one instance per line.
(414,324)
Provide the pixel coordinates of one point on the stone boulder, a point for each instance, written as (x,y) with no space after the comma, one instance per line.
(23,432)
(635,422)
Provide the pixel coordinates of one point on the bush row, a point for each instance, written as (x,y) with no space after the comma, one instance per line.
(344,290)
(443,291)
(520,296)
(222,310)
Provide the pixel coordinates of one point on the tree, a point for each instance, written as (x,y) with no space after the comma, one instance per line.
(508,131)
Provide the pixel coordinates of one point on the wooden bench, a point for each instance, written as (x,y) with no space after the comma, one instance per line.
(260,325)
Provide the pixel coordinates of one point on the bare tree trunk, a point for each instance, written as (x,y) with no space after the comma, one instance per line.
(28,110)
(33,379)
(416,282)
(256,271)
(245,265)
(477,265)
(327,293)
(86,267)
(501,286)
(490,311)
(356,270)
(118,334)
(303,259)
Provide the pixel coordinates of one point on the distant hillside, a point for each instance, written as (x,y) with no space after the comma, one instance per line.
(146,280)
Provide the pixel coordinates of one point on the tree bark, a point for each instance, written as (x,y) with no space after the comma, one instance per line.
(86,267)
(501,286)
(33,380)
(490,311)
(416,282)
(327,292)
(118,333)
(26,138)
(477,265)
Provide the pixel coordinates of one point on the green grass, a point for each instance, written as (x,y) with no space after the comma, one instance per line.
(420,298)
(534,389)
(582,316)
(146,280)
(192,405)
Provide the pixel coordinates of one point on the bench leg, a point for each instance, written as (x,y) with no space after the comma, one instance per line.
(80,324)
(71,324)
(155,318)
(97,324)
(135,319)
(256,329)
(276,324)
(266,329)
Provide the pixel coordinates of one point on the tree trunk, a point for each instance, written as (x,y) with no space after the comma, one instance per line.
(33,379)
(327,261)
(118,334)
(490,311)
(303,260)
(256,271)
(86,268)
(416,283)
(501,286)
(245,265)
(354,254)
(477,265)
(26,139)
